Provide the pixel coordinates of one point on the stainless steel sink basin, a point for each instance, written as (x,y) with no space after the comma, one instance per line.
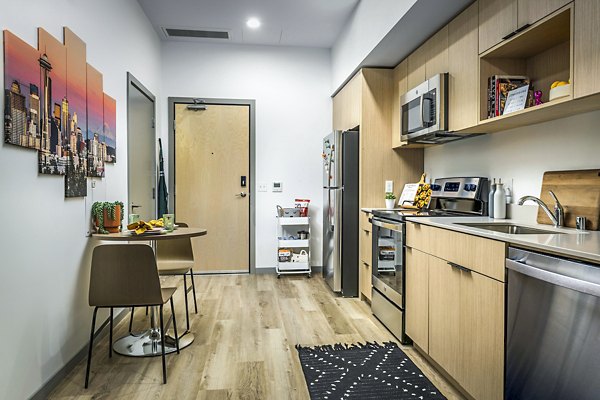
(510,229)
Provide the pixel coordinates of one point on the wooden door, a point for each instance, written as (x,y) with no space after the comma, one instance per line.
(347,104)
(481,336)
(400,82)
(586,63)
(463,59)
(416,67)
(496,20)
(530,11)
(211,156)
(444,312)
(437,53)
(417,297)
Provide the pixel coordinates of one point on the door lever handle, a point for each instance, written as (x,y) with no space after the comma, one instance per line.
(242,194)
(134,206)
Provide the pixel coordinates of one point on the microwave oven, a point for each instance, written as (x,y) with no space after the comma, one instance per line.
(424,113)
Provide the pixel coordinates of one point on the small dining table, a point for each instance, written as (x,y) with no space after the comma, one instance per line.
(148,343)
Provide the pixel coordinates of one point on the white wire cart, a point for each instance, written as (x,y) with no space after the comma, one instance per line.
(293,248)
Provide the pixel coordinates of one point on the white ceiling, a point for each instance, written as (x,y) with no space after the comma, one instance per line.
(311,23)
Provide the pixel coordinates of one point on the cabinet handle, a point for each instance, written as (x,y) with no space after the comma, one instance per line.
(522,28)
(509,35)
(460,267)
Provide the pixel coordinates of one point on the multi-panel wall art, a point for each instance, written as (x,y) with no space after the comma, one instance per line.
(55,104)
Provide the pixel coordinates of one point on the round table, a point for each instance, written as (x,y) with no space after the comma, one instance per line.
(148,343)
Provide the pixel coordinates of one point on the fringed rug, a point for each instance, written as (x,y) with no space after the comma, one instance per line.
(369,371)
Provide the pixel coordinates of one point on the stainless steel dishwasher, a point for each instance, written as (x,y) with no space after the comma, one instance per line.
(552,328)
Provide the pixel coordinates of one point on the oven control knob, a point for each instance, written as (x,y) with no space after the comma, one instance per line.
(435,187)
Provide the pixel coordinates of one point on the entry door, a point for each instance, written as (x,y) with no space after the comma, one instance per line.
(212,154)
(141,153)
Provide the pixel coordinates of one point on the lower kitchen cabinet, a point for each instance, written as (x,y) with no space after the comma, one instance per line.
(456,314)
(417,297)
(481,336)
(444,314)
(365,255)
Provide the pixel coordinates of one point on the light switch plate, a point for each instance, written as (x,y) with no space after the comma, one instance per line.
(389,186)
(262,187)
(277,186)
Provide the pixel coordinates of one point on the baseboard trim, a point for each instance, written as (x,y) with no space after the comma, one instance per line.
(62,373)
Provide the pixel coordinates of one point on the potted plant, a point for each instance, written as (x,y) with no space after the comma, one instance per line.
(107,216)
(390,199)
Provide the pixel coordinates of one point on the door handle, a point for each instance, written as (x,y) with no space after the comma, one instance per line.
(242,194)
(459,267)
(134,206)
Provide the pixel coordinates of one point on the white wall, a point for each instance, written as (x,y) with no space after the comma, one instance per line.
(291,86)
(45,256)
(522,155)
(370,22)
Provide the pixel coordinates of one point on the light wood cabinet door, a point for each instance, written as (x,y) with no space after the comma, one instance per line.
(417,297)
(444,314)
(347,105)
(497,18)
(400,82)
(366,246)
(530,11)
(586,63)
(481,336)
(365,277)
(436,61)
(416,67)
(463,61)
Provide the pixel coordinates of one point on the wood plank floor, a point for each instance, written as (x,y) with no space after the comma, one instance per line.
(245,332)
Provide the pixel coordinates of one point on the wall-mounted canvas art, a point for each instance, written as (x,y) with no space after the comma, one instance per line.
(53,153)
(75,179)
(21,93)
(96,146)
(54,103)
(110,125)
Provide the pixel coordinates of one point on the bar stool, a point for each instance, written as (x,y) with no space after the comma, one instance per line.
(173,258)
(126,276)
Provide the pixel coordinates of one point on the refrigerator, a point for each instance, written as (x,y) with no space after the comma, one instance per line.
(341,212)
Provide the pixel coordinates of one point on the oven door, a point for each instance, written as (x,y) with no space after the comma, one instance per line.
(388,259)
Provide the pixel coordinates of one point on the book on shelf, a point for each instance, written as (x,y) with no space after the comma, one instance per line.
(498,88)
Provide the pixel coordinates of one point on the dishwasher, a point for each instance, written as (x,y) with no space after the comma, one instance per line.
(552,327)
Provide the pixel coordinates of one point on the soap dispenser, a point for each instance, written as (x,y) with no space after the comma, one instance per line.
(499,201)
(491,199)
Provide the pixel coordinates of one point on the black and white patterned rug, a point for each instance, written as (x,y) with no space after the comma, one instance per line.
(369,371)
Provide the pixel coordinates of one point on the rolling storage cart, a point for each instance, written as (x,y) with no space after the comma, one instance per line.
(293,248)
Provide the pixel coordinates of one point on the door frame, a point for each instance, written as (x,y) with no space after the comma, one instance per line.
(133,81)
(173,101)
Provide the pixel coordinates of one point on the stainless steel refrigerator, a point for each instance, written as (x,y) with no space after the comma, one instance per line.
(340,212)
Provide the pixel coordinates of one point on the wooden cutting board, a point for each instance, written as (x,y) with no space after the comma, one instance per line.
(578,192)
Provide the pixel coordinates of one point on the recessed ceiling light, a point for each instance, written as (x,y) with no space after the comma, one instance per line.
(253,23)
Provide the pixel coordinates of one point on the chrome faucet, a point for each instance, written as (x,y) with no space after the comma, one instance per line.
(557,217)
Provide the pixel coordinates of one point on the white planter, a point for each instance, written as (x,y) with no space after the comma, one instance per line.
(390,203)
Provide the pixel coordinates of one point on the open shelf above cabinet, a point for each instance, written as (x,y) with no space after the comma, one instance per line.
(543,53)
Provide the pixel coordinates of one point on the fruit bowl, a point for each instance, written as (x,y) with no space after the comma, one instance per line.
(560,91)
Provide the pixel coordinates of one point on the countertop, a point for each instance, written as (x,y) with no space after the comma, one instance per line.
(582,245)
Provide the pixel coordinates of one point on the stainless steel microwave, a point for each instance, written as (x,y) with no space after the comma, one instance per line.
(424,113)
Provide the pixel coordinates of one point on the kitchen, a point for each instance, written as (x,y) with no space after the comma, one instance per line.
(462,295)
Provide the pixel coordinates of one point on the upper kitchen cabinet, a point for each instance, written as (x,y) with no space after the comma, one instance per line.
(462,68)
(400,84)
(497,19)
(416,66)
(347,105)
(436,54)
(530,11)
(586,76)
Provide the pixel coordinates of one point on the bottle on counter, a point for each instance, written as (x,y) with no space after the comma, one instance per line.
(499,201)
(491,199)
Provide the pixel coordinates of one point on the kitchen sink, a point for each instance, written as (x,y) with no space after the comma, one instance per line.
(510,229)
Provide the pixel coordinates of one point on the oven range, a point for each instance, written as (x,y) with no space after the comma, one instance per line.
(464,196)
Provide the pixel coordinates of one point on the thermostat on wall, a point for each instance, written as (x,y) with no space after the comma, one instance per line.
(277,187)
